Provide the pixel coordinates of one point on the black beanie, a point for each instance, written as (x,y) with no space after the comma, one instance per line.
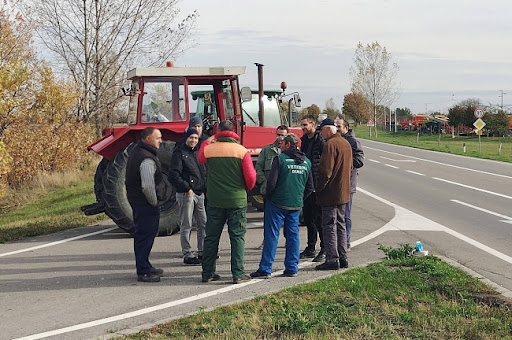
(191,131)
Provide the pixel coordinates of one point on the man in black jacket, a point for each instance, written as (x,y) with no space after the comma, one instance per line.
(189,179)
(312,145)
(145,186)
(357,161)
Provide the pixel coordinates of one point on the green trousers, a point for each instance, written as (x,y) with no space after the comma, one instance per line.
(215,220)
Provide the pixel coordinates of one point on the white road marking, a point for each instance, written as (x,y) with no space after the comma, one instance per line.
(399,160)
(415,173)
(445,164)
(507,219)
(392,166)
(147,310)
(403,220)
(473,188)
(57,242)
(407,220)
(374,160)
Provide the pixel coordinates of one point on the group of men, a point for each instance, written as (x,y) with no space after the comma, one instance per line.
(318,179)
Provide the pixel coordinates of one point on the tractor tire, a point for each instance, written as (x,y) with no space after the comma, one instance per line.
(113,192)
(257,202)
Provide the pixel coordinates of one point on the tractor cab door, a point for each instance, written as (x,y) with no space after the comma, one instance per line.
(228,103)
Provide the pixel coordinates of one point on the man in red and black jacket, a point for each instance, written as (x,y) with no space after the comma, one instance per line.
(230,175)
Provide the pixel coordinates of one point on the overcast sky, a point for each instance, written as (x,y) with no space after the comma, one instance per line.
(447,50)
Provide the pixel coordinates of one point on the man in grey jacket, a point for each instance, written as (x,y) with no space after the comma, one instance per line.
(357,160)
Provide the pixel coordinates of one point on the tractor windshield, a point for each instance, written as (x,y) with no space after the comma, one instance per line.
(163,101)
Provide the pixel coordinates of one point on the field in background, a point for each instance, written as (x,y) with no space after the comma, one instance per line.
(489,147)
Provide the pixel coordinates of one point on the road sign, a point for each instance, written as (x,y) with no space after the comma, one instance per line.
(479,124)
(478,132)
(370,123)
(479,113)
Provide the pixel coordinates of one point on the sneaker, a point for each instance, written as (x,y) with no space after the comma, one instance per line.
(288,274)
(343,263)
(242,279)
(192,261)
(157,271)
(148,278)
(214,277)
(260,275)
(320,257)
(334,265)
(307,254)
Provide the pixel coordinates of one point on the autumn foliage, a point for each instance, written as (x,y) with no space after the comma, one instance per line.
(39,128)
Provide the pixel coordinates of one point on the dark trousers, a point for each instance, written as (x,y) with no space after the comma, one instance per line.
(146,220)
(312,214)
(334,232)
(348,219)
(215,220)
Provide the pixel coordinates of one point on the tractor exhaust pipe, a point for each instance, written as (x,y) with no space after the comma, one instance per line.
(261,113)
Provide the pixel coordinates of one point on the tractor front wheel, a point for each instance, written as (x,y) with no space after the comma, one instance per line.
(113,192)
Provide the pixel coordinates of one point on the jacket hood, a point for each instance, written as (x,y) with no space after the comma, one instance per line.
(295,154)
(228,134)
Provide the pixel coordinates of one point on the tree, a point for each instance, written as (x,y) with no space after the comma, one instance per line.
(374,77)
(356,106)
(17,61)
(403,114)
(313,109)
(497,122)
(330,109)
(97,41)
(463,113)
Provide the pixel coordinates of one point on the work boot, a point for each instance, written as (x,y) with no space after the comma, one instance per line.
(343,263)
(307,253)
(334,265)
(260,275)
(148,278)
(192,261)
(320,257)
(157,271)
(214,277)
(245,278)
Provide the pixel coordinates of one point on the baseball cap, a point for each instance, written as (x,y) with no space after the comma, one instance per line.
(327,121)
(292,139)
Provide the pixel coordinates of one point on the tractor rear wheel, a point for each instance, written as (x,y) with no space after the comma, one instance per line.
(113,192)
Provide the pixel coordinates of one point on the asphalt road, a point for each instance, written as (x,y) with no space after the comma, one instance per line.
(81,283)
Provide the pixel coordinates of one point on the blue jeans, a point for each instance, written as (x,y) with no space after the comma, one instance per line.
(146,220)
(273,219)
(348,219)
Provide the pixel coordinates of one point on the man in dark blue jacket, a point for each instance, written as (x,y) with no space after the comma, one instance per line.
(289,183)
(189,179)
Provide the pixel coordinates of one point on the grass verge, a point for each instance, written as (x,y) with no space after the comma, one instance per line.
(488,147)
(49,207)
(412,298)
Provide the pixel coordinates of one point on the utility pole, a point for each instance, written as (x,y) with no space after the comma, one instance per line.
(501,96)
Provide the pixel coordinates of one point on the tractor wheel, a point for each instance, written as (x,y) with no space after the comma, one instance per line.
(114,193)
(257,202)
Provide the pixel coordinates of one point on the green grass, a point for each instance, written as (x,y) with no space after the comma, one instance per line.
(412,298)
(53,210)
(487,148)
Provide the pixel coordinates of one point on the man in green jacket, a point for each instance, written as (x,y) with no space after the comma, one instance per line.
(230,175)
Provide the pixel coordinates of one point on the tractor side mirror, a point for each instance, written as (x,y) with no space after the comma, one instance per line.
(246,94)
(296,100)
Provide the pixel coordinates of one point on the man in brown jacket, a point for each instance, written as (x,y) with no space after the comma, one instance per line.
(333,193)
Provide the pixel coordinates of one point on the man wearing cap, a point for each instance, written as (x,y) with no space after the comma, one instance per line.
(230,175)
(332,194)
(189,179)
(196,123)
(312,145)
(289,182)
(357,161)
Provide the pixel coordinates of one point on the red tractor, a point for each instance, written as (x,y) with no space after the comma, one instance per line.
(163,97)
